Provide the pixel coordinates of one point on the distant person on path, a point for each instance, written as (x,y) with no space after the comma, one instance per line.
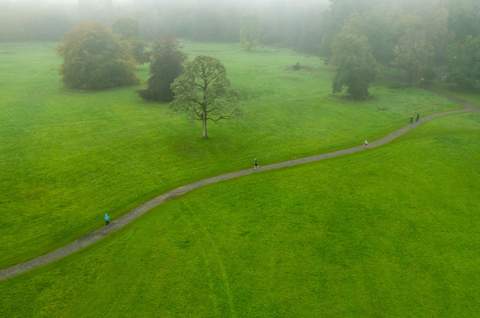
(366,143)
(418,118)
(412,120)
(107,219)
(255,164)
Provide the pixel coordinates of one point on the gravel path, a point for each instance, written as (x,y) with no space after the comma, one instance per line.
(136,213)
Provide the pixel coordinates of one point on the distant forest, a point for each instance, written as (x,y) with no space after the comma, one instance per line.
(425,39)
(285,23)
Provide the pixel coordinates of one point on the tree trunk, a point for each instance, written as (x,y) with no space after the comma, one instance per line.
(205,126)
(205,112)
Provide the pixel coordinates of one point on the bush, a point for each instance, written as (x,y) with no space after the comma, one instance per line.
(95,59)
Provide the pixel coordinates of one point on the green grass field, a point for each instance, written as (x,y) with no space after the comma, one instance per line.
(392,232)
(67,157)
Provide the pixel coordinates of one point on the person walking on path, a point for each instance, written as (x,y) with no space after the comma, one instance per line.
(255,164)
(366,143)
(418,118)
(107,219)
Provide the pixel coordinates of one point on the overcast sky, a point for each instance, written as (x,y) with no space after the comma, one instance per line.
(159,1)
(72,4)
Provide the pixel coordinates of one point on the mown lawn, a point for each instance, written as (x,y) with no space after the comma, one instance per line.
(392,232)
(66,157)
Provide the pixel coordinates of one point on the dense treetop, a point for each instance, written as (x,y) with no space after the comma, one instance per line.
(95,59)
(166,65)
(204,92)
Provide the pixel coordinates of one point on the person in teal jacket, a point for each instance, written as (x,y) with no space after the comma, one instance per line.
(106,217)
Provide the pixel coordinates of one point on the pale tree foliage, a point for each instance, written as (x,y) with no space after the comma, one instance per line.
(250,33)
(204,92)
(415,52)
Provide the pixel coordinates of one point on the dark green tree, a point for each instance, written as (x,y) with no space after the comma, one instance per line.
(95,59)
(204,92)
(166,66)
(356,66)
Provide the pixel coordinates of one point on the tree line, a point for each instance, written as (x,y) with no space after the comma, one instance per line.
(281,23)
(413,42)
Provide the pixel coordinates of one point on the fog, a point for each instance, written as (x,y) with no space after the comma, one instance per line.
(206,20)
(304,25)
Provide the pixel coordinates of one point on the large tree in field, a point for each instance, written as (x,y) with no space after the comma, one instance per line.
(204,92)
(95,59)
(166,66)
(356,66)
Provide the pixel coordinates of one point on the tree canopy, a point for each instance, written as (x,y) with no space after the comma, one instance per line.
(95,59)
(356,66)
(204,92)
(166,66)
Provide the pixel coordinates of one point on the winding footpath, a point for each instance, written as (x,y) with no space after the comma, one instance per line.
(138,212)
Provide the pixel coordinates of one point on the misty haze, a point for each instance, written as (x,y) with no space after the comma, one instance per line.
(239,158)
